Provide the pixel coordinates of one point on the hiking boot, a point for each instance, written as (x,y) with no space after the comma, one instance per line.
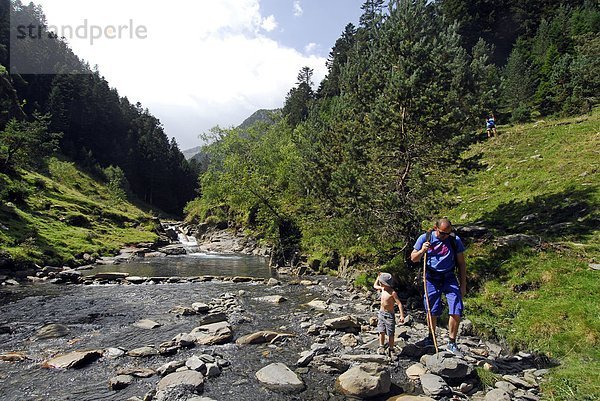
(452,347)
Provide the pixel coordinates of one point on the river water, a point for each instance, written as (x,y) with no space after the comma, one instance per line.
(103,316)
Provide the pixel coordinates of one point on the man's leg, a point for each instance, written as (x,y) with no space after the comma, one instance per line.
(453,326)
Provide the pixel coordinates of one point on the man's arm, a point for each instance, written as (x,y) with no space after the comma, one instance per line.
(462,272)
(415,256)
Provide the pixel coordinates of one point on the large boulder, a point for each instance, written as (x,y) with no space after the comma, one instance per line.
(280,378)
(434,385)
(261,337)
(366,380)
(212,334)
(73,360)
(344,323)
(52,331)
(447,365)
(190,379)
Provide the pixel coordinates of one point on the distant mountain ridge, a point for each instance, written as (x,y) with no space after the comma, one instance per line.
(265,115)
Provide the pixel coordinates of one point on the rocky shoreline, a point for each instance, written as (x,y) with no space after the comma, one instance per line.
(332,335)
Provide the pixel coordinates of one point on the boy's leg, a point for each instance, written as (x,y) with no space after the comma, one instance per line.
(381,339)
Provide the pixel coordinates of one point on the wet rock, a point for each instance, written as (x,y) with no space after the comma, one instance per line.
(184,340)
(212,370)
(305,359)
(136,372)
(136,280)
(111,276)
(278,377)
(73,360)
(497,395)
(173,250)
(273,282)
(273,299)
(195,363)
(434,385)
(347,323)
(5,330)
(415,371)
(169,367)
(239,279)
(142,352)
(70,275)
(214,317)
(147,324)
(189,379)
(410,398)
(366,380)
(200,307)
(447,365)
(113,353)
(120,382)
(313,330)
(12,282)
(212,334)
(182,311)
(261,337)
(318,304)
(52,331)
(13,357)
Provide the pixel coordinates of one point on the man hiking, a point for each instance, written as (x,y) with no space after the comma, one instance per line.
(444,253)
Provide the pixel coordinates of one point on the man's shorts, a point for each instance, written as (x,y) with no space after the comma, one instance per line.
(443,283)
(386,322)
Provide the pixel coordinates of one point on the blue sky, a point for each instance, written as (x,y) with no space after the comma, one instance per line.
(320,22)
(214,64)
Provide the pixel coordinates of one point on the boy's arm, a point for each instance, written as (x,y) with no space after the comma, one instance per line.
(399,303)
(376,284)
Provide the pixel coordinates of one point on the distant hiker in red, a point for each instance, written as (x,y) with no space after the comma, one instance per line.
(444,252)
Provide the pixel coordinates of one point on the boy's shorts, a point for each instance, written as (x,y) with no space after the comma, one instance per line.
(386,322)
(443,283)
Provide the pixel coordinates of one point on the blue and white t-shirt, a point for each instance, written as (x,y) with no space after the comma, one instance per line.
(440,254)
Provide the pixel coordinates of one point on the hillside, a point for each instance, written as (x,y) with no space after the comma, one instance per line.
(56,217)
(539,180)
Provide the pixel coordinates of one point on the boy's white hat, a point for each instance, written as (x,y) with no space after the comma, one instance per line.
(386,279)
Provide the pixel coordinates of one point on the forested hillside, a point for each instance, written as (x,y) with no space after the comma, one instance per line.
(95,127)
(356,165)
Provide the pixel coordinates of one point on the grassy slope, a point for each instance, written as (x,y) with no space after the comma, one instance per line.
(65,214)
(543,299)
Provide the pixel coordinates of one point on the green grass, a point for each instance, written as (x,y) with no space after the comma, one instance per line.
(56,217)
(545,298)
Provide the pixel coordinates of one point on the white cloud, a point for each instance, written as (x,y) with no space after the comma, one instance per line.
(298,11)
(204,63)
(311,47)
(269,23)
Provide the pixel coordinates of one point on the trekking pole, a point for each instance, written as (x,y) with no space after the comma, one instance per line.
(429,318)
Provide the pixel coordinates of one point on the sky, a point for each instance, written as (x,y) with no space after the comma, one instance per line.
(196,64)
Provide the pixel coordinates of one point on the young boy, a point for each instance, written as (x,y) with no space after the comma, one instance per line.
(386,319)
